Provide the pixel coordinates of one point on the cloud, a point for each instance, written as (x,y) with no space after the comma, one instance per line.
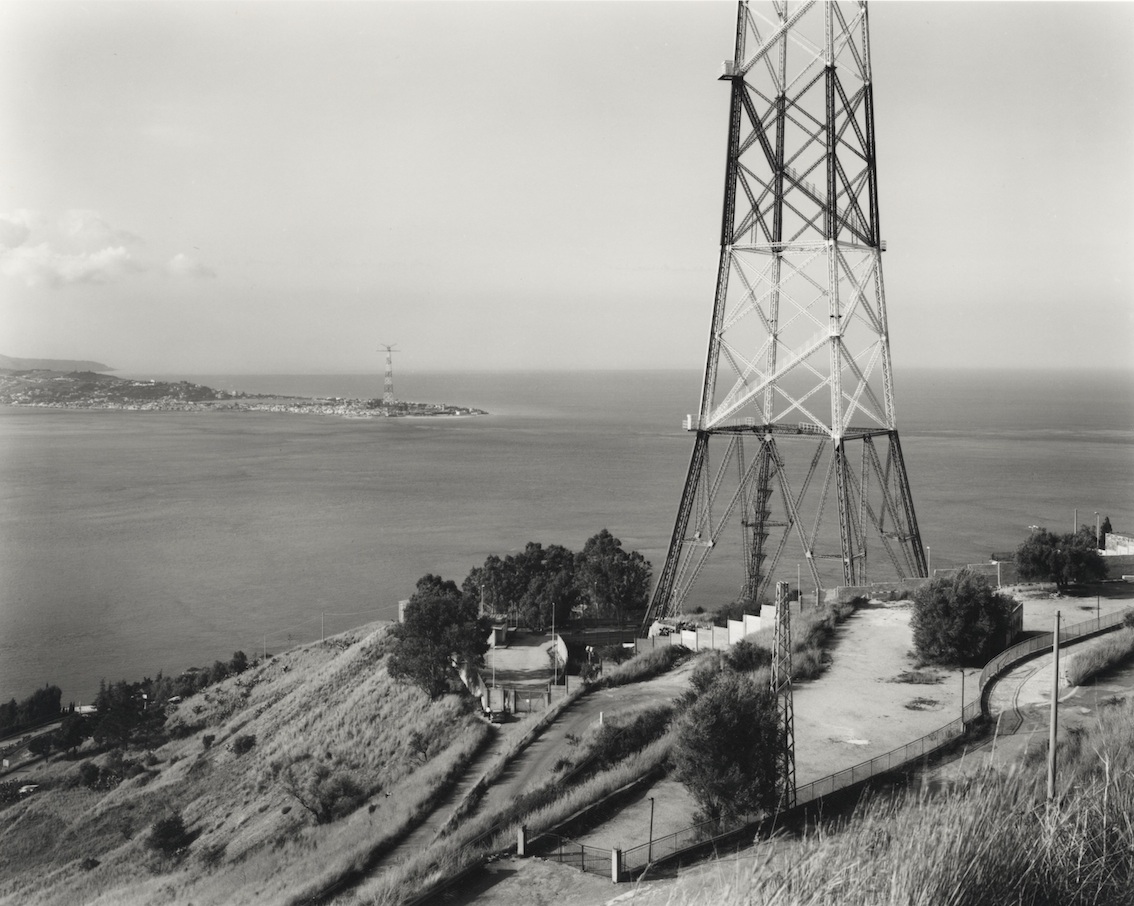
(182,266)
(81,247)
(14,230)
(89,229)
(40,264)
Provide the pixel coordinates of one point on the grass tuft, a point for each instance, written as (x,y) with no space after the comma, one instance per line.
(1114,651)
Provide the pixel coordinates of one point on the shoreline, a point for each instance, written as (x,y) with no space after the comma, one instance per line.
(352,410)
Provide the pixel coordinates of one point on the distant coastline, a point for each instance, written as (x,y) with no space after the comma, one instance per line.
(51,389)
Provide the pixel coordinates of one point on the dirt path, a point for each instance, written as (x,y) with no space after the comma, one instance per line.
(535,763)
(872,699)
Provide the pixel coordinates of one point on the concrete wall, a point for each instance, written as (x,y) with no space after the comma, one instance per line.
(1119,543)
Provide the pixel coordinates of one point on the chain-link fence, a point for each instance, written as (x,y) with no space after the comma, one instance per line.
(638,857)
(635,859)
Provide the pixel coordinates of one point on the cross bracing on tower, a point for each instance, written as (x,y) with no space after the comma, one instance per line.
(796,452)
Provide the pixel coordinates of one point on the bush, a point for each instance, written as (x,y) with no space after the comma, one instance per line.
(1128,619)
(208,739)
(326,794)
(727,747)
(613,743)
(1063,559)
(88,774)
(168,835)
(746,656)
(243,744)
(960,620)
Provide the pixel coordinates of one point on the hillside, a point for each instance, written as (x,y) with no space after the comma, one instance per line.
(328,728)
(16,364)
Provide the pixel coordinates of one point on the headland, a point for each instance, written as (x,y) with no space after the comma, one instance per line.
(48,388)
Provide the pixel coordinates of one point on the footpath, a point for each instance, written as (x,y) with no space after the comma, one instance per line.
(873,698)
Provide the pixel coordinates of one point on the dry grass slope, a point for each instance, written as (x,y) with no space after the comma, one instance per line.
(327,704)
(993,840)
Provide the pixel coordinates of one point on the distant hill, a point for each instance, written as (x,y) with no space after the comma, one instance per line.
(15,364)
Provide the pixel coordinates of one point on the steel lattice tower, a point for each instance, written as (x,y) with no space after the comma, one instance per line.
(781,687)
(388,381)
(796,442)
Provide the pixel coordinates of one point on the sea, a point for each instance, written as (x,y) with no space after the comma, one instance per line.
(139,542)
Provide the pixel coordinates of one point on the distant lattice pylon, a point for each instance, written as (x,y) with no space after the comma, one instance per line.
(388,382)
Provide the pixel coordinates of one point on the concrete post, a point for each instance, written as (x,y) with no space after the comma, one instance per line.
(521,841)
(616,865)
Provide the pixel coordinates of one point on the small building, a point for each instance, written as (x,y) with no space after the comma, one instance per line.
(1118,544)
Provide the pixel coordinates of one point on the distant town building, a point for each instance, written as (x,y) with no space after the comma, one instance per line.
(1118,543)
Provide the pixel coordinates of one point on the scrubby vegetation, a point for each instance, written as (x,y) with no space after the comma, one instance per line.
(323,723)
(727,744)
(1063,559)
(645,666)
(990,840)
(440,629)
(1112,652)
(603,579)
(960,619)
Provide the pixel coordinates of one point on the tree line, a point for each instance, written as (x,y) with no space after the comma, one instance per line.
(125,712)
(445,627)
(42,705)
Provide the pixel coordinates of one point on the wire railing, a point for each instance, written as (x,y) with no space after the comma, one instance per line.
(639,857)
(591,859)
(1025,649)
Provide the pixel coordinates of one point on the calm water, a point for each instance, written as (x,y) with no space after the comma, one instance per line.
(132,541)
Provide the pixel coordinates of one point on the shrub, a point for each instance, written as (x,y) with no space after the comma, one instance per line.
(726,752)
(646,665)
(960,619)
(613,743)
(168,835)
(326,794)
(1062,559)
(88,774)
(212,855)
(243,744)
(746,656)
(208,739)
(1128,619)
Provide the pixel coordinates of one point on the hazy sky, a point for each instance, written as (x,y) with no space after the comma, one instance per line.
(279,187)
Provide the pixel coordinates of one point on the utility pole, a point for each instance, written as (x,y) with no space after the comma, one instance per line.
(650,847)
(1054,711)
(797,398)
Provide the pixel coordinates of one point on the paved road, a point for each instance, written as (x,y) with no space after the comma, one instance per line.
(1020,702)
